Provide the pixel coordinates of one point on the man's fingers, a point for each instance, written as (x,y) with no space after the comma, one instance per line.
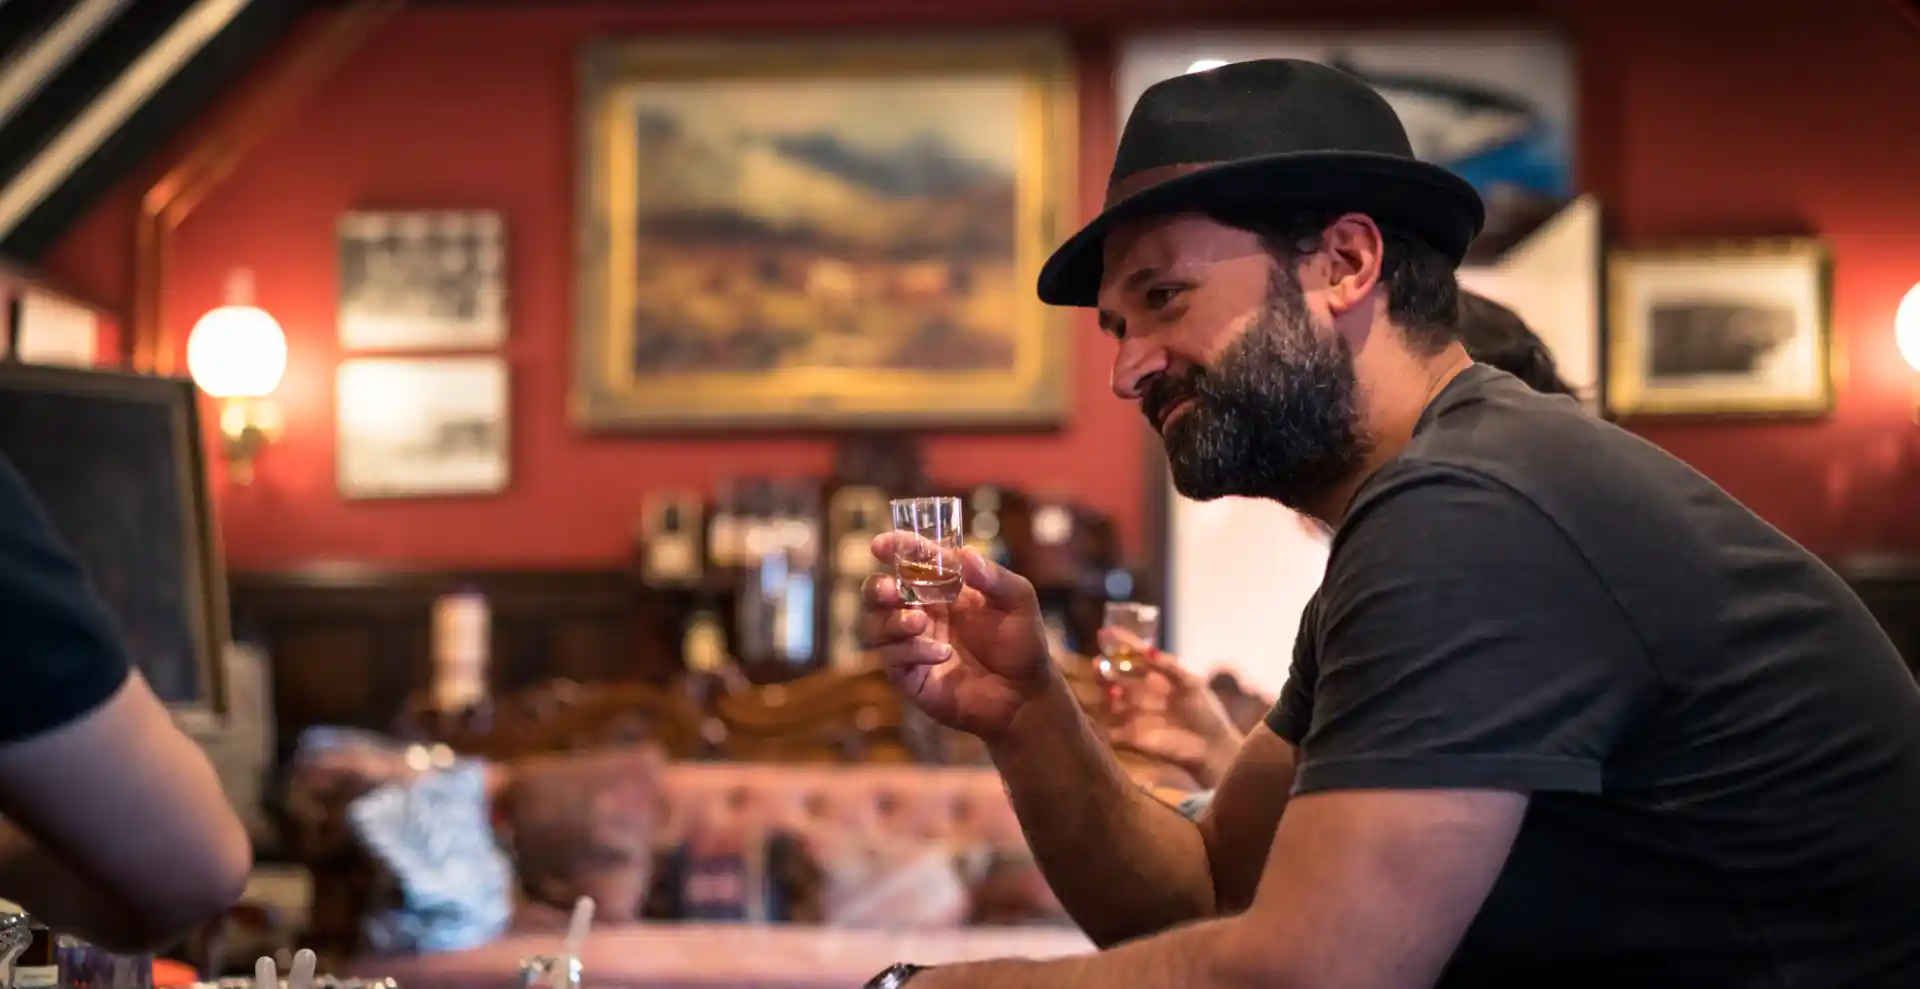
(880,627)
(911,653)
(1113,638)
(880,590)
(890,547)
(999,585)
(1167,665)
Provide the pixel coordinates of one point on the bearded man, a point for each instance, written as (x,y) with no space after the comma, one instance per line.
(1563,713)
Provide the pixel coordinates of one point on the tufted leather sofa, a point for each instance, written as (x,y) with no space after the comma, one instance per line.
(586,810)
(889,820)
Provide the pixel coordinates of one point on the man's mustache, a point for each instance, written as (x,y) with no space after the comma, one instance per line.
(1164,392)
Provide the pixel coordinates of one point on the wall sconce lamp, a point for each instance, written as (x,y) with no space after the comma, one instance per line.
(1906,335)
(237,353)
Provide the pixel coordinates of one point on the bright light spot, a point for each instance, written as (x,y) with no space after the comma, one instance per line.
(1906,327)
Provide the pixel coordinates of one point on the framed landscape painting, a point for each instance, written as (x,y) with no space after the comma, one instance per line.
(829,233)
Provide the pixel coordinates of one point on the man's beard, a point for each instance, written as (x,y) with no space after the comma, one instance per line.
(1273,417)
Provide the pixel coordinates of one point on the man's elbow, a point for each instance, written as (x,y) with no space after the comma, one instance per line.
(217,885)
(1112,931)
(197,896)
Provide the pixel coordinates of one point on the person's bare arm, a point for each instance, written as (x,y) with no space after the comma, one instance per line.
(1122,863)
(116,827)
(1371,889)
(1240,821)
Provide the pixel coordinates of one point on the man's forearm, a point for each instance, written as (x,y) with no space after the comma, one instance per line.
(1211,954)
(65,900)
(1219,758)
(53,893)
(1122,863)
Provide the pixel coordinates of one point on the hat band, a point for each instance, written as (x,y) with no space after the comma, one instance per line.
(1146,178)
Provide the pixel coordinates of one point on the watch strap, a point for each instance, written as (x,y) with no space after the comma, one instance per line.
(894,976)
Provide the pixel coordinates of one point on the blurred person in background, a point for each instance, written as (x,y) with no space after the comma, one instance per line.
(113,825)
(1496,336)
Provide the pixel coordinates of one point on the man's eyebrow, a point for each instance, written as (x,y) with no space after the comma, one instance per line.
(1140,277)
(1134,282)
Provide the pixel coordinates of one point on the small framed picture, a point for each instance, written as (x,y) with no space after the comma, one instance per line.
(1737,328)
(423,427)
(422,280)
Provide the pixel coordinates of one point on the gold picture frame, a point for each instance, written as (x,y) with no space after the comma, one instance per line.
(723,285)
(1737,328)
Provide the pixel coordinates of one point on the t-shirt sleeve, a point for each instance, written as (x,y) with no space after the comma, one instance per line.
(1293,712)
(1463,641)
(62,657)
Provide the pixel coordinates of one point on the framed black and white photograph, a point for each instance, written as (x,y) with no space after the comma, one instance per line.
(1739,328)
(423,427)
(422,280)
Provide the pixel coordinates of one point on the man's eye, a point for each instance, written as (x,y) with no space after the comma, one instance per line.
(1158,296)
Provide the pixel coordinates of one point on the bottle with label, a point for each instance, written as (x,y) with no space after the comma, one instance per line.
(38,966)
(723,527)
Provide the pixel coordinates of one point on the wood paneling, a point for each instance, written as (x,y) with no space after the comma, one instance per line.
(1890,586)
(347,645)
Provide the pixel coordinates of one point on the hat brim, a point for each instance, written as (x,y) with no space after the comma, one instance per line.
(1441,207)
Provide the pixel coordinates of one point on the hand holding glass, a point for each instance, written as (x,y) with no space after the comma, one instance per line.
(927,563)
(1123,656)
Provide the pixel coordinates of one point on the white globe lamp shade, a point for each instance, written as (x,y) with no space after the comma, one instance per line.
(1906,328)
(237,351)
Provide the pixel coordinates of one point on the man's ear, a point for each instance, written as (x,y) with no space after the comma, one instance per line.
(1355,251)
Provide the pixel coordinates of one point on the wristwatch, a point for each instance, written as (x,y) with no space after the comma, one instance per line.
(895,976)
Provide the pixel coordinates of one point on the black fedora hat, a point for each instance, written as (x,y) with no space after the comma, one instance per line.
(1280,132)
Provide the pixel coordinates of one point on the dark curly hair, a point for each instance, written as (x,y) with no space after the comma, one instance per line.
(1423,296)
(1497,336)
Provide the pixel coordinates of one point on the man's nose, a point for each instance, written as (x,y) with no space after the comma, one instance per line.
(1133,364)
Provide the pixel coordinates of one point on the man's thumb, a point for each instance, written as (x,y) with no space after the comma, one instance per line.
(996,583)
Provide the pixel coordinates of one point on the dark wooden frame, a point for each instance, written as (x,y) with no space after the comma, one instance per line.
(204,560)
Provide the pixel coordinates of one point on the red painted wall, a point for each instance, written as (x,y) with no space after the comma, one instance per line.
(1700,118)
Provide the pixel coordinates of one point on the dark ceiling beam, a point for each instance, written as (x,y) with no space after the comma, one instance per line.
(312,56)
(84,134)
(27,72)
(221,58)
